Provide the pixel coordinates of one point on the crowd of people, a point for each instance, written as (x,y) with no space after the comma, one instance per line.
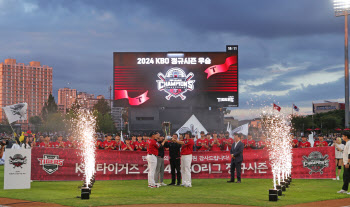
(138,142)
(180,148)
(135,142)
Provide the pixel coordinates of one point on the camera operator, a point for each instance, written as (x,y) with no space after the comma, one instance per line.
(174,154)
(3,144)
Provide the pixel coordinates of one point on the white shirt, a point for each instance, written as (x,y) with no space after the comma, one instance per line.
(346,153)
(338,154)
(25,146)
(16,146)
(236,143)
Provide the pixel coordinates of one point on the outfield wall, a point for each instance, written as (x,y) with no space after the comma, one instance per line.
(50,164)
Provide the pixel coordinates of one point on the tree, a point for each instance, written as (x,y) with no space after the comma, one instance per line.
(327,121)
(50,107)
(36,121)
(301,123)
(102,106)
(104,122)
(54,123)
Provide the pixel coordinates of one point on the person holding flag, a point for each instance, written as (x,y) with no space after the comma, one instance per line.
(16,112)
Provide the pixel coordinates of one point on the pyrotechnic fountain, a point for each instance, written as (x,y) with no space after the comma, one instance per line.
(277,128)
(84,129)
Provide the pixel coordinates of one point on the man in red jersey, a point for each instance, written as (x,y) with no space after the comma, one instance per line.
(186,158)
(262,142)
(295,141)
(128,146)
(41,139)
(46,142)
(152,153)
(109,144)
(227,142)
(304,143)
(215,143)
(98,142)
(202,143)
(221,135)
(71,143)
(54,144)
(139,144)
(320,142)
(133,140)
(249,143)
(119,144)
(59,143)
(145,138)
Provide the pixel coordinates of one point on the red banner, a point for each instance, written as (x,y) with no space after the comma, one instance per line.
(64,164)
(120,94)
(221,68)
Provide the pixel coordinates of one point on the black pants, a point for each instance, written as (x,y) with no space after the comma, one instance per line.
(346,178)
(236,166)
(175,164)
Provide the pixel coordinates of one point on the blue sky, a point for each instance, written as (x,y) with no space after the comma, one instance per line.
(289,51)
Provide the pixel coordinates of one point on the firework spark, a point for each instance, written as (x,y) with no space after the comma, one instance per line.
(277,128)
(85,129)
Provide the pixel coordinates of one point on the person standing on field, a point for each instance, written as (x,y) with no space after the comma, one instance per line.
(152,153)
(339,147)
(186,158)
(346,162)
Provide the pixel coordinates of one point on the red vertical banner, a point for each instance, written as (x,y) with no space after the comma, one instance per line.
(65,164)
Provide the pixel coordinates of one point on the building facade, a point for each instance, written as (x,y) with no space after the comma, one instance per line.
(327,106)
(66,97)
(87,100)
(21,83)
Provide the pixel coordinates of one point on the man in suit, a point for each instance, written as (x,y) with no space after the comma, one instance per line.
(236,158)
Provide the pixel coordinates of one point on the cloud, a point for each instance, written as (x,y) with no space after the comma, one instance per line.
(289,51)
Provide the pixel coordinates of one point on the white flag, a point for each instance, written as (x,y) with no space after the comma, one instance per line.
(193,125)
(229,129)
(121,136)
(241,129)
(16,112)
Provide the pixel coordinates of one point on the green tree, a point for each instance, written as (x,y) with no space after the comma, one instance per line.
(50,107)
(35,121)
(104,122)
(330,122)
(54,123)
(102,106)
(301,123)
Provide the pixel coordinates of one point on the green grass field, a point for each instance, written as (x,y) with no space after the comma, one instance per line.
(249,192)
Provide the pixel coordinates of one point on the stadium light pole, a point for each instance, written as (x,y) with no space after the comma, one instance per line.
(342,8)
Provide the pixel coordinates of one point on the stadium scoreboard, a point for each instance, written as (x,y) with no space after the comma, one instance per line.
(175,79)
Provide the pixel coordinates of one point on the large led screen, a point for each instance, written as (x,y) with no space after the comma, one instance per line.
(176,79)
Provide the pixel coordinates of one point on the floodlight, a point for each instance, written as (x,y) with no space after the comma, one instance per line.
(342,8)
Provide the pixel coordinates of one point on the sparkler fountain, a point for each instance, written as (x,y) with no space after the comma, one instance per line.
(85,129)
(277,128)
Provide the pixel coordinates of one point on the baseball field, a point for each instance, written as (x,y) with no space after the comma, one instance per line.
(253,192)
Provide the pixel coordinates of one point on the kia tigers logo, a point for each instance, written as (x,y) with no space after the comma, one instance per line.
(50,163)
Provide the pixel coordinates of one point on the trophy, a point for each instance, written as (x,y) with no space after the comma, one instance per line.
(166,127)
